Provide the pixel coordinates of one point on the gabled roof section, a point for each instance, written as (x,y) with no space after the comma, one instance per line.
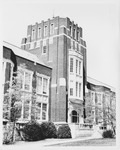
(99,83)
(22,53)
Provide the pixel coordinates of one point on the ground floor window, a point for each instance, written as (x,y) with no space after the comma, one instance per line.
(41,108)
(74,117)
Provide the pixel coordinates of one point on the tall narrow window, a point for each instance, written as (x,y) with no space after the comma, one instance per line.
(44,47)
(33,34)
(70,31)
(44,111)
(38,110)
(79,89)
(77,35)
(45,31)
(26,79)
(51,29)
(39,84)
(45,84)
(76,66)
(71,91)
(39,32)
(79,67)
(71,64)
(74,35)
(76,88)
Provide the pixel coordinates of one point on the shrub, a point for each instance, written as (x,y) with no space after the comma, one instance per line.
(7,138)
(108,134)
(32,131)
(49,130)
(64,132)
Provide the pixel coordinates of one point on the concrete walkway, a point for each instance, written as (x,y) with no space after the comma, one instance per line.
(42,143)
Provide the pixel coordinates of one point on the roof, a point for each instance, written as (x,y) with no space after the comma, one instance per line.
(23,53)
(99,83)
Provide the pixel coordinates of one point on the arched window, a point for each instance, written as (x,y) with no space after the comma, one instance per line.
(75,117)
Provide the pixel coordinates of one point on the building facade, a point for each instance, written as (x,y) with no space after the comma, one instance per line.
(34,75)
(102,101)
(59,43)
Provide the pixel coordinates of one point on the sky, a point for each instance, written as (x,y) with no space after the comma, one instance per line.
(98,18)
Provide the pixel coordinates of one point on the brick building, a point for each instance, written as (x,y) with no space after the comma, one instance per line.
(16,59)
(59,43)
(103,97)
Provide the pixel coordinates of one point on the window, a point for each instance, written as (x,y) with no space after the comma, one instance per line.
(7,79)
(79,67)
(76,88)
(77,35)
(51,29)
(39,84)
(44,47)
(45,85)
(39,32)
(45,31)
(71,64)
(70,31)
(75,117)
(33,34)
(38,110)
(76,66)
(74,34)
(26,79)
(26,99)
(41,109)
(42,85)
(79,89)
(44,111)
(71,91)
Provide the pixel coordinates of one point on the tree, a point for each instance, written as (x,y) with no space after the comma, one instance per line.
(104,114)
(13,99)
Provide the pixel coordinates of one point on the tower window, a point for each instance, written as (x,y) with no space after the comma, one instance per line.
(77,35)
(33,34)
(39,32)
(44,47)
(51,29)
(45,31)
(70,31)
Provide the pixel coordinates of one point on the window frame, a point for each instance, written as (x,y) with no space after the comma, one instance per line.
(31,77)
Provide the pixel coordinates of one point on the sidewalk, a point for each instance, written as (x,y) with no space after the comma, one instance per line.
(42,143)
(47,142)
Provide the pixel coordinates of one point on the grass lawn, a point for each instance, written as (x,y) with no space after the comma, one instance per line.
(92,142)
